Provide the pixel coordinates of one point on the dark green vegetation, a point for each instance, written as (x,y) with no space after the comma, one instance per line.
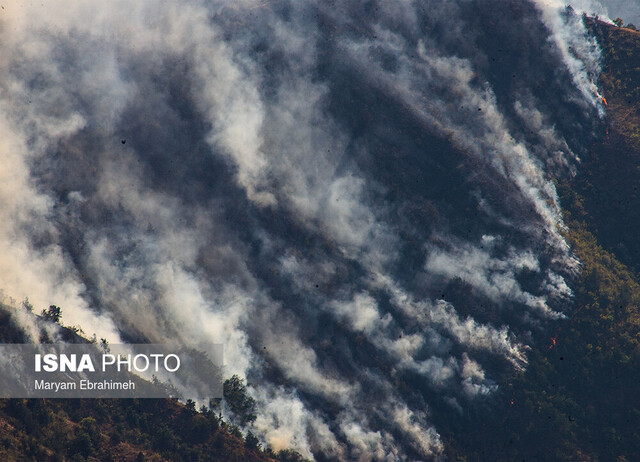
(126,429)
(578,399)
(242,405)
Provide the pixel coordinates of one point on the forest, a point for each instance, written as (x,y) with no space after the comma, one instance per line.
(576,399)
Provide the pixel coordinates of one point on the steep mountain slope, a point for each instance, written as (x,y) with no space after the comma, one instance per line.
(609,178)
(131,430)
(360,199)
(578,399)
(117,430)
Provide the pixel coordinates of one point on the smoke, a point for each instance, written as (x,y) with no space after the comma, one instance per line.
(580,52)
(355,198)
(628,10)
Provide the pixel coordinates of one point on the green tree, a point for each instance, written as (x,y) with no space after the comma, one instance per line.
(241,404)
(53,313)
(26,304)
(82,445)
(252,442)
(289,455)
(199,428)
(190,405)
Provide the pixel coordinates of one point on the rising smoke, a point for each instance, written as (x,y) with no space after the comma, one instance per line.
(355,198)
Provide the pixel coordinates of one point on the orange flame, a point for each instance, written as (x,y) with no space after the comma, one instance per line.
(604,100)
(553,342)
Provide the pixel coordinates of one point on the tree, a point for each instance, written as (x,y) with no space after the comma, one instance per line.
(53,313)
(289,455)
(199,429)
(237,398)
(190,405)
(252,442)
(26,304)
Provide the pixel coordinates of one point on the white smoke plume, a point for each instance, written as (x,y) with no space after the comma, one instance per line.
(344,194)
(580,52)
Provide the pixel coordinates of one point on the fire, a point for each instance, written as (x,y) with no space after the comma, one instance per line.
(553,342)
(604,100)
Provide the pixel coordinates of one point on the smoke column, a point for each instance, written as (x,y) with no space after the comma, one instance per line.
(355,197)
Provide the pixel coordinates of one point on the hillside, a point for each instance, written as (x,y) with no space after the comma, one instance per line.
(122,430)
(131,430)
(578,399)
(410,224)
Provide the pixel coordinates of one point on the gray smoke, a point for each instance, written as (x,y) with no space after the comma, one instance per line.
(355,198)
(628,10)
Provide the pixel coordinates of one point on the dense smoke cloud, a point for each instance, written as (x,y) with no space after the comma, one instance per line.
(350,196)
